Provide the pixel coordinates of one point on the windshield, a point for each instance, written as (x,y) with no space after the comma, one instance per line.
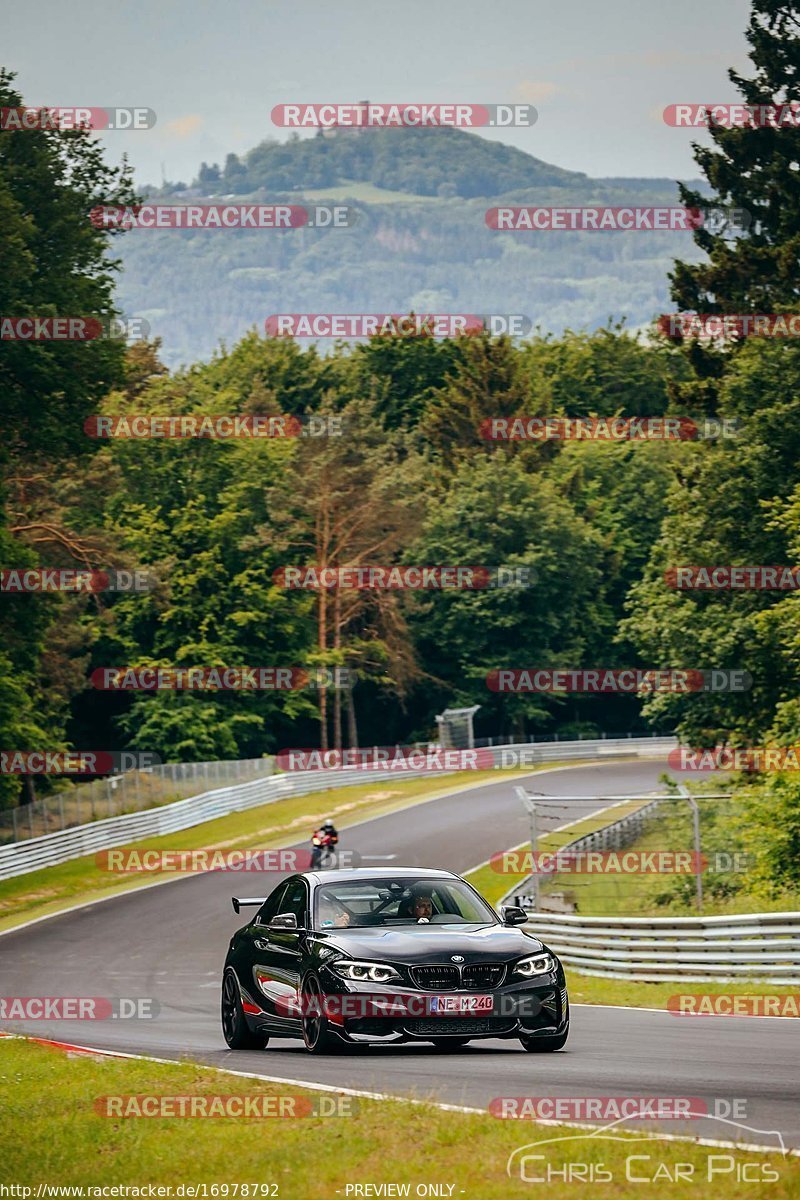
(357,903)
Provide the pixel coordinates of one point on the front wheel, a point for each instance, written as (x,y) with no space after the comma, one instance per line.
(235,1029)
(543,1045)
(316,1031)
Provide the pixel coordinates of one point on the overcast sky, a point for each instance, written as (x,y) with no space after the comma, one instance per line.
(599,73)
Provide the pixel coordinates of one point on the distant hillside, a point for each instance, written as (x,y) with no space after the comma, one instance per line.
(420,243)
(423,162)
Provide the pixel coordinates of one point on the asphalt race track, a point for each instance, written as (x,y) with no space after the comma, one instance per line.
(169,942)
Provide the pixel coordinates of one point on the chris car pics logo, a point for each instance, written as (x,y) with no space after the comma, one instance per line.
(574,1157)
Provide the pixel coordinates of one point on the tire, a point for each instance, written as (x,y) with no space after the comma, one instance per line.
(544,1045)
(316,1033)
(235,1029)
(448,1045)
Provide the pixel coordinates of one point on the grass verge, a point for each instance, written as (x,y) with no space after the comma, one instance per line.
(52,1134)
(596,989)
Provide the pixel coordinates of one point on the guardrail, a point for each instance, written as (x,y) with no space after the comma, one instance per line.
(531,753)
(132,790)
(677,949)
(21,857)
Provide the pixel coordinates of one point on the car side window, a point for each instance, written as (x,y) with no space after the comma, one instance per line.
(270,907)
(295,900)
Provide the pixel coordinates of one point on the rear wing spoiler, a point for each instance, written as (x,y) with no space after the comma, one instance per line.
(247,902)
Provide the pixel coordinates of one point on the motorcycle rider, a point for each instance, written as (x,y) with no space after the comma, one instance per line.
(325,836)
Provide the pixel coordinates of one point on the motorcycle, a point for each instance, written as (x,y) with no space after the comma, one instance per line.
(323,854)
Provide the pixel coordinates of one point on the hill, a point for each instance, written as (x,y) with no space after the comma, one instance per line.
(424,162)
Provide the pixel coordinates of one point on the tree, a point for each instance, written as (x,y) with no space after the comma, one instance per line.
(755,169)
(348,501)
(208,176)
(53,262)
(730,503)
(496,513)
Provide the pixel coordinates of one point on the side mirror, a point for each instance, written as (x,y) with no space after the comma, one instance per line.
(512,914)
(284,921)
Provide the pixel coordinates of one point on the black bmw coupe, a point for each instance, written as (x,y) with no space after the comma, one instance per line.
(388,956)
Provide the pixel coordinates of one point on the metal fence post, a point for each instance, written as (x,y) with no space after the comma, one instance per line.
(698,863)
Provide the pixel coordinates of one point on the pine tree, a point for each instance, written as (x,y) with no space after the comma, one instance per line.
(755,168)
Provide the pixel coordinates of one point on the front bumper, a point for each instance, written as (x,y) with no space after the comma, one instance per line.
(384,1012)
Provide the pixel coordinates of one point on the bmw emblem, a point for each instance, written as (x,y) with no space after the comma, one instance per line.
(456,957)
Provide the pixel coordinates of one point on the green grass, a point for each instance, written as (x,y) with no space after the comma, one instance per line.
(51,1133)
(269,826)
(596,989)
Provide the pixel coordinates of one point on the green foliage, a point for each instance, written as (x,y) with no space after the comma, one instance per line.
(755,169)
(768,826)
(495,513)
(53,262)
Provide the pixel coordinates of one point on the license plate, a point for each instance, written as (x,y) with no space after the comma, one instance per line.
(459,1005)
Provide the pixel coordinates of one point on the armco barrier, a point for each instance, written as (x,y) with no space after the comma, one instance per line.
(19,858)
(677,949)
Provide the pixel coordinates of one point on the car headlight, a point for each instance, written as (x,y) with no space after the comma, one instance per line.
(365,972)
(534,964)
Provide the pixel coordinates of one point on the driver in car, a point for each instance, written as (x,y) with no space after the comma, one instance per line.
(423,907)
(332,913)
